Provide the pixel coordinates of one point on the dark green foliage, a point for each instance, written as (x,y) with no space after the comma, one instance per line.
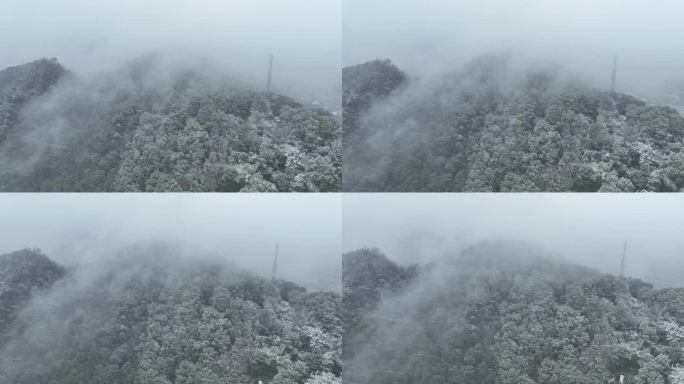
(493,127)
(152,317)
(21,274)
(365,83)
(21,84)
(142,129)
(506,313)
(366,274)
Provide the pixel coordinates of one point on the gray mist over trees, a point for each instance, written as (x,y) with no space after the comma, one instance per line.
(582,229)
(170,96)
(512,289)
(512,97)
(438,36)
(90,38)
(159,125)
(89,229)
(175,289)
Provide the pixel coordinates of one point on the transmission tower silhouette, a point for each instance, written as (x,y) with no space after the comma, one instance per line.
(268,81)
(624,258)
(275,262)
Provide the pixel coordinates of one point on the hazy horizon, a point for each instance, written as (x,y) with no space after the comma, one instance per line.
(242,228)
(90,38)
(437,36)
(587,229)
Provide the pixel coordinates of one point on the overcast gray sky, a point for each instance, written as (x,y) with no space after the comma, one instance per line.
(313,228)
(75,228)
(586,228)
(435,35)
(92,36)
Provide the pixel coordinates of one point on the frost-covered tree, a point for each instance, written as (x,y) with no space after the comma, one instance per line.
(496,127)
(181,132)
(505,313)
(150,318)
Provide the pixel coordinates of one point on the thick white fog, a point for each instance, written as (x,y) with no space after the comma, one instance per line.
(429,36)
(75,229)
(588,229)
(96,36)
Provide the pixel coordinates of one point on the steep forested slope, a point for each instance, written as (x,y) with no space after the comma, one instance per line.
(149,127)
(21,274)
(152,318)
(505,313)
(21,84)
(500,126)
(364,84)
(366,275)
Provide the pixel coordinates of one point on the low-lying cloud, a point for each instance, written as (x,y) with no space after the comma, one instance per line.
(93,37)
(588,229)
(435,36)
(85,229)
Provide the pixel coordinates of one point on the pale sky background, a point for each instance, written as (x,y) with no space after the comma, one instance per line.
(243,228)
(312,38)
(430,36)
(588,229)
(90,36)
(314,229)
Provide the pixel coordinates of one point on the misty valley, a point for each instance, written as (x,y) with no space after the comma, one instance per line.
(501,124)
(153,316)
(506,313)
(152,126)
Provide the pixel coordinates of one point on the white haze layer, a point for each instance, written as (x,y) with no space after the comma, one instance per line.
(587,229)
(85,229)
(90,37)
(435,36)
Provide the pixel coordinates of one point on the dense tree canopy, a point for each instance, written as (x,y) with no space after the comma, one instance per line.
(144,129)
(506,313)
(497,127)
(22,273)
(364,84)
(151,317)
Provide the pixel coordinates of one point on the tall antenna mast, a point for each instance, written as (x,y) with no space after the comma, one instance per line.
(624,257)
(612,81)
(268,83)
(275,262)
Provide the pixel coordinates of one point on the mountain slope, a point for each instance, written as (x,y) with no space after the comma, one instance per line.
(21,84)
(365,83)
(505,313)
(154,317)
(22,273)
(154,127)
(500,126)
(367,274)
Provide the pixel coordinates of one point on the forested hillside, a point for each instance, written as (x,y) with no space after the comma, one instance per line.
(152,317)
(148,127)
(21,84)
(506,313)
(497,125)
(364,84)
(23,273)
